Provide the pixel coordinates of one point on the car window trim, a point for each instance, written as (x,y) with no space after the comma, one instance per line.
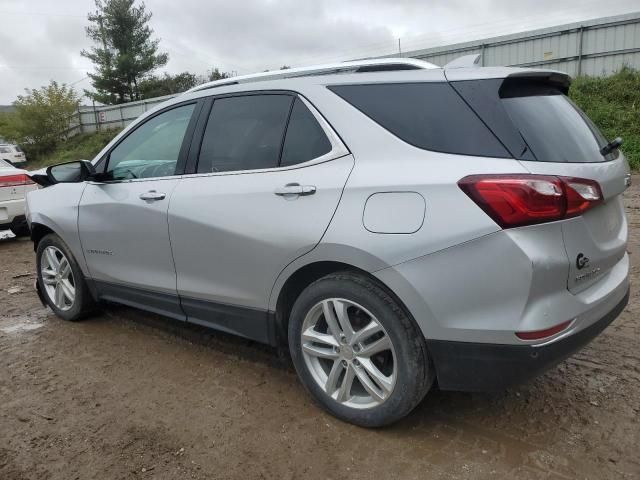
(103,163)
(338,148)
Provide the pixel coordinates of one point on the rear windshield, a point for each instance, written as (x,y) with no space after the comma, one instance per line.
(535,120)
(431,116)
(555,129)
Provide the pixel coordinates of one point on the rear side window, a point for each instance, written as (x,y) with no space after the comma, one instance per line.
(305,139)
(431,116)
(244,133)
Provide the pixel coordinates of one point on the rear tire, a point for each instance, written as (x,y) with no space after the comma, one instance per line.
(357,352)
(61,280)
(22,231)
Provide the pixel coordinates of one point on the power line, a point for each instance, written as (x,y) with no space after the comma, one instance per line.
(42,14)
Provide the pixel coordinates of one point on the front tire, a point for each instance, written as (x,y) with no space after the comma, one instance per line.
(61,280)
(356,351)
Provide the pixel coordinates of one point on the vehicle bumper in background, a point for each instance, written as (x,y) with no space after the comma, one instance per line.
(17,223)
(9,210)
(482,367)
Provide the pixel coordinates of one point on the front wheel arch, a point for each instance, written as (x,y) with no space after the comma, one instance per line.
(38,232)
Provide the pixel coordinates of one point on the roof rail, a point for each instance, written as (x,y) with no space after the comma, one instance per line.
(373,65)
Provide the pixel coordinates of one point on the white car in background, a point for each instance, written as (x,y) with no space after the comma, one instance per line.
(12,154)
(14,185)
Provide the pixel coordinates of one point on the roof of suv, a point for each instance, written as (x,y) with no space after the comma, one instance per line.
(367,71)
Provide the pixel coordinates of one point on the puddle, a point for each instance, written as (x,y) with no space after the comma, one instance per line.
(19,324)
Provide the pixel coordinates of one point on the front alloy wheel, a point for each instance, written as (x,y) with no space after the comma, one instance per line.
(57,278)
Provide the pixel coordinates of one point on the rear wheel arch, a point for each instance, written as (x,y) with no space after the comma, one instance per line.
(299,280)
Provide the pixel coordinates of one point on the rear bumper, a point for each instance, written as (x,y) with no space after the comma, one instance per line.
(15,223)
(482,367)
(10,210)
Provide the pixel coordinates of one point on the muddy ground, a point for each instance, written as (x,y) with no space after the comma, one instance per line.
(127,394)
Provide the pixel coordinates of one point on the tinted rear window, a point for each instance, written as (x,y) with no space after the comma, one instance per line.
(535,119)
(305,139)
(431,116)
(244,133)
(555,129)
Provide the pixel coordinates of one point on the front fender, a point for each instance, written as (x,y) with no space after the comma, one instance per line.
(56,208)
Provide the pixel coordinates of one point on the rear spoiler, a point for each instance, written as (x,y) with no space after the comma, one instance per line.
(558,80)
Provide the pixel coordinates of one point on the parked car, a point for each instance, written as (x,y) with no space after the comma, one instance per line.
(389,222)
(14,185)
(12,154)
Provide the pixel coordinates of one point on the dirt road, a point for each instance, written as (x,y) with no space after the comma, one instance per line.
(130,395)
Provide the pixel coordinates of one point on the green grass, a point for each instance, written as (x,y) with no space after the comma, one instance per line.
(613,103)
(84,146)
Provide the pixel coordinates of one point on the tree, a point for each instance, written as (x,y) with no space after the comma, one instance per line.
(157,86)
(124,52)
(42,118)
(216,74)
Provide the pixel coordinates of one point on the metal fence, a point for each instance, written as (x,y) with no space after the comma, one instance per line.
(595,47)
(93,118)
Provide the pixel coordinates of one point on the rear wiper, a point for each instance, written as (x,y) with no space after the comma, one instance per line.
(611,146)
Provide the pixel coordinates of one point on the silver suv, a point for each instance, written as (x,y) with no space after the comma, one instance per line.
(390,222)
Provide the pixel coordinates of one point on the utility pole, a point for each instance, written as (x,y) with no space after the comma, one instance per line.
(399,48)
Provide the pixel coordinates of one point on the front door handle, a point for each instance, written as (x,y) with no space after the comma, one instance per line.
(152,196)
(295,189)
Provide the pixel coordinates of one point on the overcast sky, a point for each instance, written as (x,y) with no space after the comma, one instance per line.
(40,40)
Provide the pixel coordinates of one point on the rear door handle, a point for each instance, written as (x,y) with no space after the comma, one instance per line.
(152,195)
(295,189)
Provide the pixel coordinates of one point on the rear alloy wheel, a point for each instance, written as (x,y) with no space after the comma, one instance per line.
(348,353)
(356,350)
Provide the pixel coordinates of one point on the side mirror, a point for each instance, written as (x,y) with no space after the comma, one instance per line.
(71,172)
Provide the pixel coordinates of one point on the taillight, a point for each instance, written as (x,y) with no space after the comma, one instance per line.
(15,180)
(523,199)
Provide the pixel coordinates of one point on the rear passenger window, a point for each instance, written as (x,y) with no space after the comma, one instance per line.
(244,133)
(431,116)
(305,139)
